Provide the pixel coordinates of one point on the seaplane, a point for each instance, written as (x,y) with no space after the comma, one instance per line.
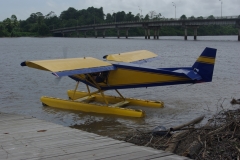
(119,71)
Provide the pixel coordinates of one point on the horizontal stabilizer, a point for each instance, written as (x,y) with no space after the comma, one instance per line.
(190,73)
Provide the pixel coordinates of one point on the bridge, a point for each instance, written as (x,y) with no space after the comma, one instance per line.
(154,25)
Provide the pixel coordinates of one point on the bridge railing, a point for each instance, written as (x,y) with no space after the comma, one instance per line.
(154,20)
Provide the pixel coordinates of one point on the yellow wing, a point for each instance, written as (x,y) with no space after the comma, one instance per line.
(71,66)
(130,56)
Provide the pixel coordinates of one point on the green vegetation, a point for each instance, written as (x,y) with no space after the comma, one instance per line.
(39,25)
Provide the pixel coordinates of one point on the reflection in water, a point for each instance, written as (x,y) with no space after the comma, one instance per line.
(106,126)
(22,87)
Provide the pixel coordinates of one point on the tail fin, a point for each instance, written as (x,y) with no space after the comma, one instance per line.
(204,65)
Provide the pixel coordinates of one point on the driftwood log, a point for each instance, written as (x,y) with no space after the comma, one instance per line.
(194,149)
(172,145)
(197,145)
(195,121)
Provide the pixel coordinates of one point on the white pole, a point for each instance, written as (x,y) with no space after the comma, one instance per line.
(141,12)
(175,8)
(221,7)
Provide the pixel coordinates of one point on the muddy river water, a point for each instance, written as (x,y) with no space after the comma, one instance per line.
(22,87)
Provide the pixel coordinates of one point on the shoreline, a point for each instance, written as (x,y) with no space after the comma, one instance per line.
(219,138)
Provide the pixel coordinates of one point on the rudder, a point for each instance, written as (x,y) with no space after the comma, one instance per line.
(204,65)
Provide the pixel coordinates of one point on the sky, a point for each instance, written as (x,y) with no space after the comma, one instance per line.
(24,8)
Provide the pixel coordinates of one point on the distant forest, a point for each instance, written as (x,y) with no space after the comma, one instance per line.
(39,25)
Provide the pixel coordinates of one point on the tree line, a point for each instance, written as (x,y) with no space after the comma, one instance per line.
(38,24)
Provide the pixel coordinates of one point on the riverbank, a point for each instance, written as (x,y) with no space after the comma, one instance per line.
(219,138)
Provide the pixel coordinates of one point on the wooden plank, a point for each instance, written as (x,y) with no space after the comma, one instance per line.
(21,121)
(112,153)
(10,118)
(52,143)
(46,141)
(94,152)
(35,134)
(38,136)
(20,139)
(46,153)
(127,155)
(33,151)
(156,155)
(27,128)
(49,131)
(4,117)
(172,157)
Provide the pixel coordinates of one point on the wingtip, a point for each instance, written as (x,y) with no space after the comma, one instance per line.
(105,57)
(23,64)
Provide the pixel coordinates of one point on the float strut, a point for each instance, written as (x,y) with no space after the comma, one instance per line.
(104,97)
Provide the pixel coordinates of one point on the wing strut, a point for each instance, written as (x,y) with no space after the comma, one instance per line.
(99,88)
(120,94)
(88,90)
(75,89)
(91,95)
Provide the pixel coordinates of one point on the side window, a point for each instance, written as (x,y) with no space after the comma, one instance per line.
(99,77)
(102,77)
